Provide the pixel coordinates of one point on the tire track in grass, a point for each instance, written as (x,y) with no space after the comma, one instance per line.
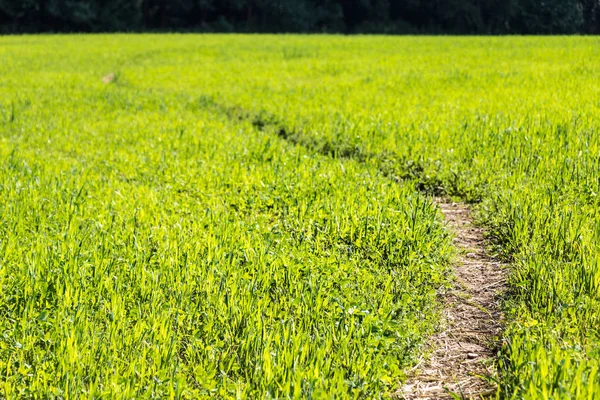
(463,354)
(462,363)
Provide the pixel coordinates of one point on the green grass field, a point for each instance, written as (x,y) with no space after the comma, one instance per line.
(251,216)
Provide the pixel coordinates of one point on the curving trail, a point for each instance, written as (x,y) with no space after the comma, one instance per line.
(464,350)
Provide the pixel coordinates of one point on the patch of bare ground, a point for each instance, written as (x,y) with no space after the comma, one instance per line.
(463,352)
(110,78)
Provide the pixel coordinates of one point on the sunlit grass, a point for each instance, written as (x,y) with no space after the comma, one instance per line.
(220,219)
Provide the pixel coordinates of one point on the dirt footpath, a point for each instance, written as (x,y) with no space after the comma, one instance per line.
(465,349)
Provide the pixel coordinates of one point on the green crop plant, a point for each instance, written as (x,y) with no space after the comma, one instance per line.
(226,220)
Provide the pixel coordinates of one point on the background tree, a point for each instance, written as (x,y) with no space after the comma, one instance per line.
(547,16)
(348,16)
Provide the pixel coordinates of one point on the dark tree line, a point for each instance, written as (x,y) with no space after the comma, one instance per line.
(346,16)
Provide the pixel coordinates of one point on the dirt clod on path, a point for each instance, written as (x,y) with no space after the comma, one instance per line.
(463,352)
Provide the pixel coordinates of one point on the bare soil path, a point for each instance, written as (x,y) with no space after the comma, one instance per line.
(463,352)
